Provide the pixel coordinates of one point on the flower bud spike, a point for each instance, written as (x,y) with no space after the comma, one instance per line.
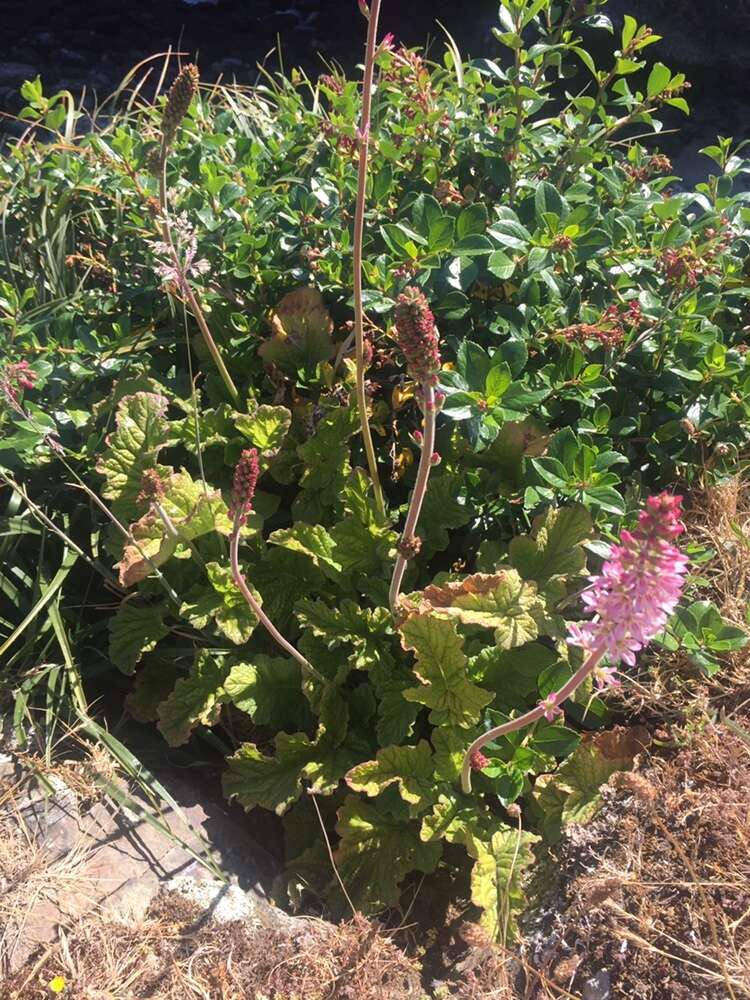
(246,474)
(180,95)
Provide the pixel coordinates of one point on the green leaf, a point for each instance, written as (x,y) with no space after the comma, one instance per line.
(193,510)
(571,794)
(459,821)
(547,200)
(224,603)
(133,631)
(313,541)
(502,601)
(376,852)
(325,457)
(411,768)
(501,265)
(441,669)
(272,782)
(302,328)
(444,507)
(658,79)
(270,690)
(471,220)
(141,431)
(496,880)
(554,547)
(195,699)
(266,426)
(153,684)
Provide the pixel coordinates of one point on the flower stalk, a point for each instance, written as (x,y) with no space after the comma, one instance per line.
(245,478)
(181,93)
(632,598)
(417,337)
(359,223)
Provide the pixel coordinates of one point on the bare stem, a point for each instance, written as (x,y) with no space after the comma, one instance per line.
(418,494)
(359,225)
(192,301)
(255,606)
(559,696)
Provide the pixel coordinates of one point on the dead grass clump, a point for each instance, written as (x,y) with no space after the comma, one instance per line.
(655,892)
(174,954)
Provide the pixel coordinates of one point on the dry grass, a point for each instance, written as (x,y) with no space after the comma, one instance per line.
(173,954)
(656,890)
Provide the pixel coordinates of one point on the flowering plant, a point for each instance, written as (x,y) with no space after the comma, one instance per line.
(358,570)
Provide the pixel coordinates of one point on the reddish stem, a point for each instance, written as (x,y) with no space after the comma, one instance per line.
(559,696)
(420,489)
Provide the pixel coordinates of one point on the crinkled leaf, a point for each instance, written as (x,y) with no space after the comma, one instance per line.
(223,603)
(153,683)
(444,507)
(141,431)
(311,540)
(411,768)
(496,880)
(272,782)
(195,699)
(266,427)
(325,456)
(442,669)
(282,577)
(302,328)
(571,794)
(376,852)
(134,630)
(512,673)
(270,690)
(369,631)
(459,821)
(554,547)
(192,509)
(450,745)
(502,601)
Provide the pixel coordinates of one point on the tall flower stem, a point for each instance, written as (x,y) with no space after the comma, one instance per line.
(188,292)
(258,611)
(556,698)
(359,225)
(418,494)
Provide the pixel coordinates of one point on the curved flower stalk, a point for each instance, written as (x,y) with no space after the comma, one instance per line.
(178,246)
(417,337)
(246,475)
(372,14)
(632,598)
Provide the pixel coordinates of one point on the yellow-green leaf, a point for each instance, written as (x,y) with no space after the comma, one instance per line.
(195,699)
(441,667)
(496,880)
(134,630)
(411,768)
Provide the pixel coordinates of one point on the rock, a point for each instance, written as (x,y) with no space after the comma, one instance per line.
(118,859)
(599,987)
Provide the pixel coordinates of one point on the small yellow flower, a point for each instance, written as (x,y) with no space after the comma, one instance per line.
(57,985)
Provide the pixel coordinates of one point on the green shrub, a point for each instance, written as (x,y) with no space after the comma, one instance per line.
(592,320)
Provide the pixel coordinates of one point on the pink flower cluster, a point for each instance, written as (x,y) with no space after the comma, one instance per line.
(417,336)
(246,474)
(637,590)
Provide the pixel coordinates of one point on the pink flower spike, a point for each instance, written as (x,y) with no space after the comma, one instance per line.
(638,587)
(550,706)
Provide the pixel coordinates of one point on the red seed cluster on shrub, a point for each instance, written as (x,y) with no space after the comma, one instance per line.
(417,336)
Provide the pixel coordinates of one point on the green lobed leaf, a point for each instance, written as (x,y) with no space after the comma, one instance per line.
(501,600)
(134,630)
(270,690)
(441,667)
(224,604)
(411,768)
(195,699)
(554,547)
(266,426)
(496,880)
(376,852)
(141,431)
(313,541)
